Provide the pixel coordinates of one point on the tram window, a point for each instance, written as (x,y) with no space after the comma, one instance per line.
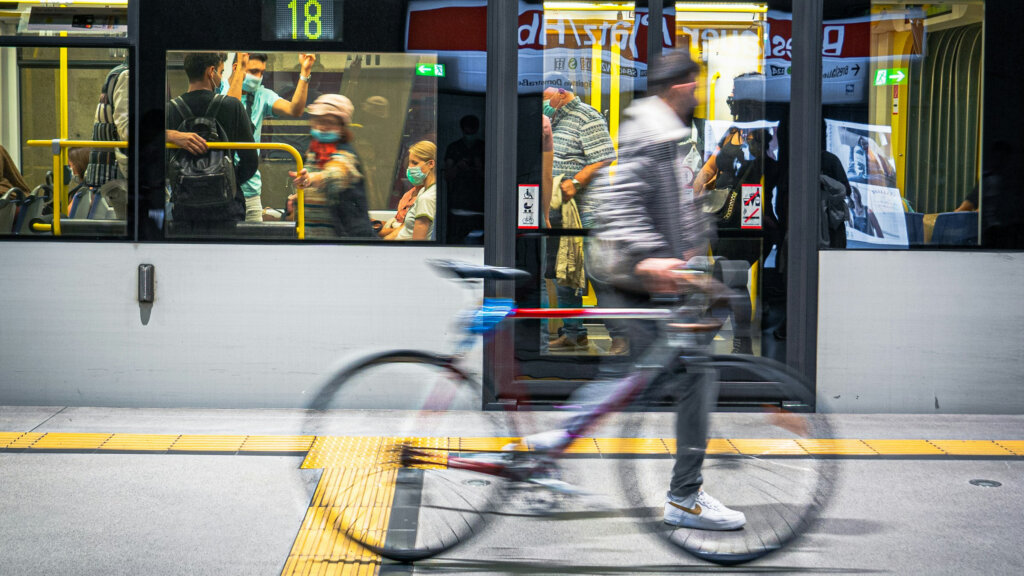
(906,130)
(61,101)
(354,119)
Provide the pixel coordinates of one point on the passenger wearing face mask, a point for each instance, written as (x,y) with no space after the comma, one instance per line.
(246,84)
(335,197)
(415,217)
(205,70)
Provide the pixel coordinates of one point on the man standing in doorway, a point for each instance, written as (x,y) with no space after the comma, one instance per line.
(246,84)
(582,146)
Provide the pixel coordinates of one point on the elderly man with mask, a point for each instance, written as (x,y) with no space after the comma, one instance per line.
(582,145)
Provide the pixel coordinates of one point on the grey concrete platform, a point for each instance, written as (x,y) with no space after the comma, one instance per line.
(96,513)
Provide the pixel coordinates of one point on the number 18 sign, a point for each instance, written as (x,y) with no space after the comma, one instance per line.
(302,20)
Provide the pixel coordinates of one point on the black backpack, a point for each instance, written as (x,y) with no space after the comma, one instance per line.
(204,182)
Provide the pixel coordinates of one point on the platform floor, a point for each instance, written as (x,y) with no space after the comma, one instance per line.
(153,491)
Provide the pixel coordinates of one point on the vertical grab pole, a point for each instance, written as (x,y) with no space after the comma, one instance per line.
(58,183)
(62,114)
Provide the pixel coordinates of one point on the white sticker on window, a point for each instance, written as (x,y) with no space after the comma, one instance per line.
(751,206)
(529,206)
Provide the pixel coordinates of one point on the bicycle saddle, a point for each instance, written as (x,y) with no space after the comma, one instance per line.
(465,270)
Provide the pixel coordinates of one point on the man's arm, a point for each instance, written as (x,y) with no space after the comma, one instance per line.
(600,151)
(238,75)
(190,141)
(707,172)
(584,177)
(298,102)
(248,160)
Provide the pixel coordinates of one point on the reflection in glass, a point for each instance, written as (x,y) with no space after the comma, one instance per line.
(390,107)
(902,108)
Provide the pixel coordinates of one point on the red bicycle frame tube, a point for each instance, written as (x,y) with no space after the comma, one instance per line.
(638,313)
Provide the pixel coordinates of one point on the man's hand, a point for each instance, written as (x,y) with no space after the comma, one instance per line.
(659,274)
(568,190)
(242,61)
(190,141)
(306,63)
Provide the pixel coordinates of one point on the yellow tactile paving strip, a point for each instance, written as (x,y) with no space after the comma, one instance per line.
(324,452)
(345,487)
(78,442)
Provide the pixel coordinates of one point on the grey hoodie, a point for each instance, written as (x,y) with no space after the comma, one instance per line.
(640,211)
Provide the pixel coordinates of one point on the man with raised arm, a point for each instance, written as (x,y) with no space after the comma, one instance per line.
(246,84)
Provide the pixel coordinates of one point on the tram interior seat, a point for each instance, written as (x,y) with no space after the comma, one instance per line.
(80,203)
(31,209)
(915,227)
(956,228)
(9,204)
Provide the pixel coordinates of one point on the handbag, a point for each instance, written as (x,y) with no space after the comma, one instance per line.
(723,203)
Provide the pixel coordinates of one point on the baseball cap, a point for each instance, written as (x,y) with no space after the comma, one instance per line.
(332,105)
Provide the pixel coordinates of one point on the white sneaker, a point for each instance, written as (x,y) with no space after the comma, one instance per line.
(541,442)
(702,511)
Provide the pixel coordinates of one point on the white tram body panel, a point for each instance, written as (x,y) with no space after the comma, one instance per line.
(231,326)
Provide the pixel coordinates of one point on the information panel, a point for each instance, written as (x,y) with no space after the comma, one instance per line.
(302,20)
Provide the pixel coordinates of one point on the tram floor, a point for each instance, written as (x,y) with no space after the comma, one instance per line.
(80,511)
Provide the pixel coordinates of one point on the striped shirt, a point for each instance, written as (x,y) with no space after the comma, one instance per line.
(581,138)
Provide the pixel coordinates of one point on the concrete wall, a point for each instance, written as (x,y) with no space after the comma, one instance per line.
(231,326)
(921,332)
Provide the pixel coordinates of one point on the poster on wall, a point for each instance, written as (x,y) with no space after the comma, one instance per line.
(876,217)
(865,151)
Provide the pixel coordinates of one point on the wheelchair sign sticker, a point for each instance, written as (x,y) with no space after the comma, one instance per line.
(529,203)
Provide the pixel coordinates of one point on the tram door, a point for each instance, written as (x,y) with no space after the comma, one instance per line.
(582,67)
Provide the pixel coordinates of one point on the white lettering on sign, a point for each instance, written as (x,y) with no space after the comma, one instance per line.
(751,215)
(832,41)
(529,206)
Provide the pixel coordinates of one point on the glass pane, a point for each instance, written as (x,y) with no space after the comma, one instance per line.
(364,125)
(902,106)
(109,18)
(90,182)
(735,157)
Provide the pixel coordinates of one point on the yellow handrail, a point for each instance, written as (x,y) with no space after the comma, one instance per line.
(300,224)
(58,144)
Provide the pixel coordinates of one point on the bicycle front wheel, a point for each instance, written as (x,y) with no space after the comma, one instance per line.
(387,427)
(775,464)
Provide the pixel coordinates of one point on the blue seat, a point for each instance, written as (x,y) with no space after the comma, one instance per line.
(956,229)
(915,228)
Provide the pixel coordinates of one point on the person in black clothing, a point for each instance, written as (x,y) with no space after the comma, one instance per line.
(204,70)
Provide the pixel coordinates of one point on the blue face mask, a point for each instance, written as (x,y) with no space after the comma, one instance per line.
(415,175)
(324,136)
(549,110)
(251,83)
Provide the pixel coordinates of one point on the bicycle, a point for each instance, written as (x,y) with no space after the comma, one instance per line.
(415,494)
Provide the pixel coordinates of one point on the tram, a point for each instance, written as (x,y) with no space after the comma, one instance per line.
(113,301)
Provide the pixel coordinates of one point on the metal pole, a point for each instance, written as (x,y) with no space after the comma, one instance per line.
(500,117)
(804,167)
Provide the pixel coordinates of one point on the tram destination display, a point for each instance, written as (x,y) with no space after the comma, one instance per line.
(302,20)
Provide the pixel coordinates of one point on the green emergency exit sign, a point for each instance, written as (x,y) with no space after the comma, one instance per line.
(436,70)
(887,76)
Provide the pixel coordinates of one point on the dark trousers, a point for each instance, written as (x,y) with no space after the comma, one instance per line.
(693,393)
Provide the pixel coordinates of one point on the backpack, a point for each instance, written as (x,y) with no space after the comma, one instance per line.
(206,182)
(103,161)
(835,212)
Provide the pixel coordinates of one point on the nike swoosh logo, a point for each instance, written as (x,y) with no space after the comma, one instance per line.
(695,511)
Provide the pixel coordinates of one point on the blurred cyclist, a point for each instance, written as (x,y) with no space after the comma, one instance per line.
(645,231)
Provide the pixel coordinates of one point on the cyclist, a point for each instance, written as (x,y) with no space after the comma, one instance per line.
(645,231)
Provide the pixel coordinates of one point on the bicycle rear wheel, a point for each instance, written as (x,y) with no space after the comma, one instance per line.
(386,427)
(776,465)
